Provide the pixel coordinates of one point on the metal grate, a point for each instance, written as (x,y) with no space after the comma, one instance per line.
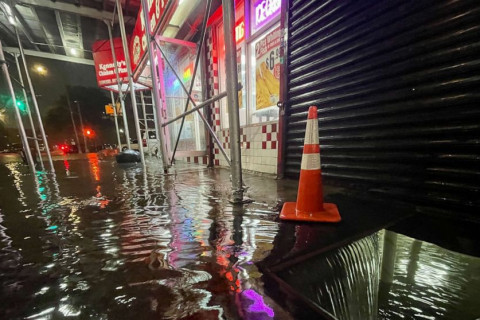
(397,86)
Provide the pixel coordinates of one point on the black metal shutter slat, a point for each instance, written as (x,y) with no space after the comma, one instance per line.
(397,89)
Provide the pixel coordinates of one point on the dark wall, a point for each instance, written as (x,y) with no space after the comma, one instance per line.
(397,87)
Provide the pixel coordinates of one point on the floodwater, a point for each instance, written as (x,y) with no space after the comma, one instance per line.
(103,241)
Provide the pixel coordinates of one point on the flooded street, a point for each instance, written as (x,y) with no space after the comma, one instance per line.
(104,241)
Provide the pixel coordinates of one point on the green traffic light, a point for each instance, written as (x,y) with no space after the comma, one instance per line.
(21,106)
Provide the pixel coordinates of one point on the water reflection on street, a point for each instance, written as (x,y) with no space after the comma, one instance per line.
(100,241)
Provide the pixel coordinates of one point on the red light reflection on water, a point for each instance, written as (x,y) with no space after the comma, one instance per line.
(94,168)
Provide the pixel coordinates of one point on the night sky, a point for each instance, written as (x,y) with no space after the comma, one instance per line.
(52,85)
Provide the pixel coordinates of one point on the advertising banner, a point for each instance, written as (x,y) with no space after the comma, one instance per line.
(103,59)
(267,71)
(138,41)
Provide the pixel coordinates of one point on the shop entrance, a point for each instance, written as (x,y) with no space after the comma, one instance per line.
(182,55)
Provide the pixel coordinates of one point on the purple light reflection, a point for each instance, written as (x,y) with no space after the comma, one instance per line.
(258,304)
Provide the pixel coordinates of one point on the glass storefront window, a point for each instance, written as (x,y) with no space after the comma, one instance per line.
(264,76)
(192,137)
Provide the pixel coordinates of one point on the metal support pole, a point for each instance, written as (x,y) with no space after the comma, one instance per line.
(35,103)
(23,135)
(154,108)
(30,119)
(130,78)
(155,89)
(232,98)
(73,122)
(82,127)
(194,104)
(145,123)
(197,59)
(198,107)
(120,93)
(119,145)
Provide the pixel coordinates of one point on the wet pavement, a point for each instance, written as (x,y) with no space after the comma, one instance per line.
(100,240)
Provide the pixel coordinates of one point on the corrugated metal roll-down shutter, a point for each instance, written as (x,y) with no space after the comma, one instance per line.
(397,84)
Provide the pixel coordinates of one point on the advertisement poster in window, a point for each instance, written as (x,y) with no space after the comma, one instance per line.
(267,73)
(241,76)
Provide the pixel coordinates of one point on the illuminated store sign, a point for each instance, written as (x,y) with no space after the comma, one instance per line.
(239,31)
(265,11)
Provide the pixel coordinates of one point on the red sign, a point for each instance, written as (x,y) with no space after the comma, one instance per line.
(104,67)
(138,42)
(239,31)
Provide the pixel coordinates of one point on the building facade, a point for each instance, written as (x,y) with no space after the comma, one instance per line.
(257,35)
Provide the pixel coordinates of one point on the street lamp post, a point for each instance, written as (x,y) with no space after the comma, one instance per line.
(83,128)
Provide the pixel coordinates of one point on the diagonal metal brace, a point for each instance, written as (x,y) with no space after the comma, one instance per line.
(219,144)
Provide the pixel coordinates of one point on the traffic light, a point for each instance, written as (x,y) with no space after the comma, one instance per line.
(89,133)
(21,106)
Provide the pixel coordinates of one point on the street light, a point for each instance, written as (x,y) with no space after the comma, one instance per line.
(41,70)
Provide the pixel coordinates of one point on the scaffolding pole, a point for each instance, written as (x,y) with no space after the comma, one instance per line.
(155,91)
(197,60)
(145,124)
(157,129)
(232,99)
(120,92)
(130,78)
(198,107)
(18,117)
(219,144)
(29,113)
(119,145)
(35,103)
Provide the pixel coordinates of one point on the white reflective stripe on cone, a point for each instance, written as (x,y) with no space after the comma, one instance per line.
(311,161)
(311,134)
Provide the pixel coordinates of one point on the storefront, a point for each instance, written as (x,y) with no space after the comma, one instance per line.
(257,35)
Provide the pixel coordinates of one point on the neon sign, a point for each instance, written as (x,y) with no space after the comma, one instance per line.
(265,10)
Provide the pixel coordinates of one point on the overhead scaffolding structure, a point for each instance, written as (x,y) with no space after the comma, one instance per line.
(35,103)
(18,117)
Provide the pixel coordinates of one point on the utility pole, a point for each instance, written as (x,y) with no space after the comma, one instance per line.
(73,122)
(82,127)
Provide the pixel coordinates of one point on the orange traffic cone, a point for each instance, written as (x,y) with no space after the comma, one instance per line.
(309,205)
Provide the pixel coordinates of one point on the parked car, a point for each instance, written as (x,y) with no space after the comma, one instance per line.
(152,145)
(133,145)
